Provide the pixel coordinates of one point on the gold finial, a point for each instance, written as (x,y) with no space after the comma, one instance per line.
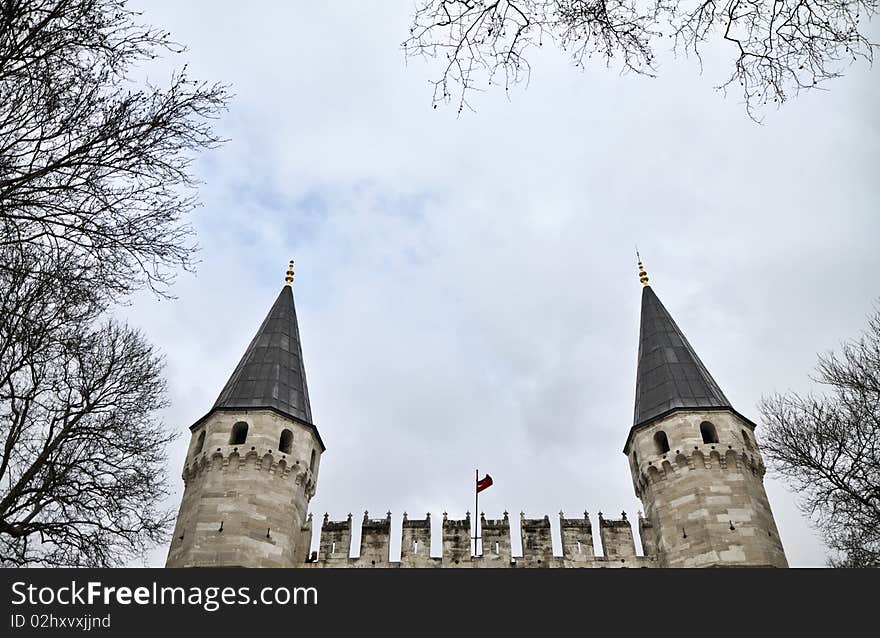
(643,276)
(288,278)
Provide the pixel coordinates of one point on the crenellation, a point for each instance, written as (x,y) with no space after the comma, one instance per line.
(456,536)
(577,538)
(415,543)
(415,546)
(375,541)
(495,541)
(335,542)
(537,543)
(706,457)
(617,538)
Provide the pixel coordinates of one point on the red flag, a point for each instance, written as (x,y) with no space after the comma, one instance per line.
(483,483)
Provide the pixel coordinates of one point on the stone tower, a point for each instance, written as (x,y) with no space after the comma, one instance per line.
(694,460)
(252,463)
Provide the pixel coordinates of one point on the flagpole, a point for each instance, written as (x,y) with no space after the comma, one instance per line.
(476,509)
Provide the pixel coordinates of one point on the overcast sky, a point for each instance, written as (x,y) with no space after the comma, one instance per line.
(466,287)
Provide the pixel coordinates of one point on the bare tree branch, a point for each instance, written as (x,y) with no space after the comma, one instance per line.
(779,47)
(95,187)
(82,455)
(87,158)
(828,448)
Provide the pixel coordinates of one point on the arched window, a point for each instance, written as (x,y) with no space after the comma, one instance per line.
(200,443)
(239,433)
(285,442)
(747,440)
(661,442)
(707,430)
(312,462)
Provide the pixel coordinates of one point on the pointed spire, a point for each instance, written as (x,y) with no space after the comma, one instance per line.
(271,373)
(670,374)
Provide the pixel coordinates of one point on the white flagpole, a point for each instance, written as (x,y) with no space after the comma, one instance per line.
(476,510)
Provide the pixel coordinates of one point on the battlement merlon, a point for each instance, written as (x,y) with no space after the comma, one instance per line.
(375,541)
(335,542)
(537,542)
(415,543)
(495,540)
(577,538)
(456,536)
(617,537)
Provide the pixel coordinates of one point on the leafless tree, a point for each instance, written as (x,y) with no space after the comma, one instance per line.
(779,47)
(828,448)
(95,188)
(82,463)
(90,159)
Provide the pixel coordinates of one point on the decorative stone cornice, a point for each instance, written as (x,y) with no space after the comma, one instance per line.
(660,467)
(273,464)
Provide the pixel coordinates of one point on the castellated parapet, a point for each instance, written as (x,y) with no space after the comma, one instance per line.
(245,504)
(700,476)
(457,550)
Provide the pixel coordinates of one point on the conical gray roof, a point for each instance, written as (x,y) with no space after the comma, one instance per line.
(271,373)
(670,374)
